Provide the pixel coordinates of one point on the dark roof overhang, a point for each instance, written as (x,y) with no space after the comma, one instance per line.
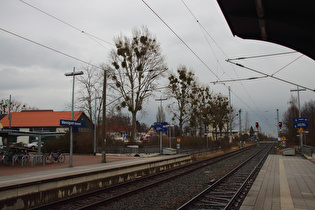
(285,22)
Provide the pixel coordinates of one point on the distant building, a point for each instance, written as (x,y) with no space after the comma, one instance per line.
(43,121)
(119,133)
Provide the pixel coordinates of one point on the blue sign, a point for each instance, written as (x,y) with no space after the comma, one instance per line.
(160,126)
(72,123)
(300,119)
(301,122)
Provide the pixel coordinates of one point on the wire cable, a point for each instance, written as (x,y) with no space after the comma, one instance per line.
(260,56)
(219,80)
(49,48)
(271,76)
(170,28)
(68,24)
(287,65)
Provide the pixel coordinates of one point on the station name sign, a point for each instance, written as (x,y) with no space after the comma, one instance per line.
(72,123)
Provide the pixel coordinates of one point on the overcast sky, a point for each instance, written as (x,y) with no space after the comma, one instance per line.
(33,74)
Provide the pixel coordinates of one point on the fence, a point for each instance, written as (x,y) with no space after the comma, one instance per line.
(308,150)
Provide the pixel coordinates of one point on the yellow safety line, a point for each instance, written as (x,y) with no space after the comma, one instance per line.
(285,194)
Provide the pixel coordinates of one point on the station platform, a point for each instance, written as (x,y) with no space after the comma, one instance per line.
(284,182)
(17,176)
(47,183)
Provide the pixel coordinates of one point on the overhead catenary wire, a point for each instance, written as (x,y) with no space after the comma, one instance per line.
(271,76)
(260,56)
(236,80)
(172,30)
(49,48)
(219,80)
(93,37)
(287,65)
(249,57)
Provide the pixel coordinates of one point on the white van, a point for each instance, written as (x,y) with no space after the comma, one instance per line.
(1,143)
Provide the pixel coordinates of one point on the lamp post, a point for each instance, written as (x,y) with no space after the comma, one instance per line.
(95,125)
(73,74)
(161,142)
(299,103)
(170,134)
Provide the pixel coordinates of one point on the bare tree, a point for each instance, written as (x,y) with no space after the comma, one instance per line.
(137,65)
(90,90)
(288,130)
(308,110)
(15,106)
(160,115)
(219,113)
(181,88)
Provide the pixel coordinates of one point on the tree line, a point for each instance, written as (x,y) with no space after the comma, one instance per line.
(291,133)
(133,74)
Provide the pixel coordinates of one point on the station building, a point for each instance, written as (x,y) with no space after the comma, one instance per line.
(43,121)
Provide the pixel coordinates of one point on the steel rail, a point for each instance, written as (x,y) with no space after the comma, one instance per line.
(228,200)
(132,192)
(176,172)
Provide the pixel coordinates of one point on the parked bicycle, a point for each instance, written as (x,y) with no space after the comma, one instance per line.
(15,155)
(55,157)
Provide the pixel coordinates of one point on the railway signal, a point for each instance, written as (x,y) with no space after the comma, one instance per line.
(280,125)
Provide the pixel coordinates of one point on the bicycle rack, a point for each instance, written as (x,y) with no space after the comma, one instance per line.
(37,159)
(24,159)
(16,157)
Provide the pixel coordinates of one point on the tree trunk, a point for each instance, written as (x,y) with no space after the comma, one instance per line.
(133,127)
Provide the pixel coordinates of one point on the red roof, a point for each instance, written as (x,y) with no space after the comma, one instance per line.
(38,118)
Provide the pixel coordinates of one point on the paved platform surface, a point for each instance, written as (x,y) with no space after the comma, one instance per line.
(284,182)
(15,175)
(77,160)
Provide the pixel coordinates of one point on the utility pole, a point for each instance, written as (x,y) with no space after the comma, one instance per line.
(95,125)
(299,104)
(161,100)
(240,130)
(104,118)
(230,120)
(278,128)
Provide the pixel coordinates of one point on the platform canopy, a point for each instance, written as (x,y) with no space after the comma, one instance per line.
(12,133)
(286,22)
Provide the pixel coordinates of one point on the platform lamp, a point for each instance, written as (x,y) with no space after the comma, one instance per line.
(73,74)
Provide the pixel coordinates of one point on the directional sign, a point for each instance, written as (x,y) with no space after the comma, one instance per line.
(72,123)
(300,122)
(160,126)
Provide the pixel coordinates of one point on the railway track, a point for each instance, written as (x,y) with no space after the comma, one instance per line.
(229,191)
(112,194)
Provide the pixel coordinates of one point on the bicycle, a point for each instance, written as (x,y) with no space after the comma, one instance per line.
(55,157)
(15,155)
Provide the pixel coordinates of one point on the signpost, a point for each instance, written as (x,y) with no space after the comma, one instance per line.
(300,122)
(159,127)
(178,143)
